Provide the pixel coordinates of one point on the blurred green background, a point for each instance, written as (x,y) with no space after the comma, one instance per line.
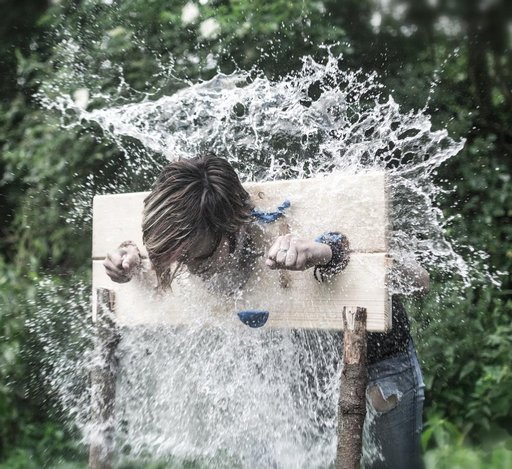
(464,340)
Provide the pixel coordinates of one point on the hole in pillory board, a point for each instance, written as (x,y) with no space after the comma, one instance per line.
(253,317)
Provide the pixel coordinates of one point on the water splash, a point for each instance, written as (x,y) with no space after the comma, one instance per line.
(227,396)
(64,336)
(312,122)
(265,409)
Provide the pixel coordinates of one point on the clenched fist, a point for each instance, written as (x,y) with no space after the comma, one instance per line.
(122,263)
(292,253)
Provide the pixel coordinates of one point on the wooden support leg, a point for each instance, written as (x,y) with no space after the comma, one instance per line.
(352,403)
(103,382)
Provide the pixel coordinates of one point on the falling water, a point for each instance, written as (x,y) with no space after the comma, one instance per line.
(233,396)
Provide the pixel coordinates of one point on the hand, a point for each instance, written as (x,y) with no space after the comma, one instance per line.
(293,253)
(122,263)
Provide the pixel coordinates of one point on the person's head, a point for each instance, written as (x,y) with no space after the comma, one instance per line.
(194,206)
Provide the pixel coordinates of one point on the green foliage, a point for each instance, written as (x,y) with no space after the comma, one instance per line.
(465,359)
(29,436)
(45,173)
(451,452)
(47,446)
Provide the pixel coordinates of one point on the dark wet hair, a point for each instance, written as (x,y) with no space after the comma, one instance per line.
(191,198)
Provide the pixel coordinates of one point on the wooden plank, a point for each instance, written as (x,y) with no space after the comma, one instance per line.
(305,303)
(355,205)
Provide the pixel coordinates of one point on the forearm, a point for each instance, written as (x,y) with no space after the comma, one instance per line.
(321,254)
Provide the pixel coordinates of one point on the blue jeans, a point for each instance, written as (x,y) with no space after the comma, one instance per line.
(394,402)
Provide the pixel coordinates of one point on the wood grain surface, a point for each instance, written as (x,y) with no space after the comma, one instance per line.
(354,205)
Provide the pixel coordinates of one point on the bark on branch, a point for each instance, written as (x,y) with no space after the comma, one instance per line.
(352,402)
(103,382)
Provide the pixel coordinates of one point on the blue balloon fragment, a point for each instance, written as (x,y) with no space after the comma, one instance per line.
(272,216)
(253,317)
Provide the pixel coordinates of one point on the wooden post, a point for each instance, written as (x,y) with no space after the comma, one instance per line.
(103,382)
(352,403)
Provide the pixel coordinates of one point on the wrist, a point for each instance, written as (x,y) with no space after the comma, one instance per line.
(322,254)
(339,247)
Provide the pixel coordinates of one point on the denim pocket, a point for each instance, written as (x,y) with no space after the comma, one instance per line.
(393,425)
(389,380)
(383,397)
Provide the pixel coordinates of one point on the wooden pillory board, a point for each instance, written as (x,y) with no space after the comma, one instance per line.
(355,205)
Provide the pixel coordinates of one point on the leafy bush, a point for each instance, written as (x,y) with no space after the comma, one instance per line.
(451,452)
